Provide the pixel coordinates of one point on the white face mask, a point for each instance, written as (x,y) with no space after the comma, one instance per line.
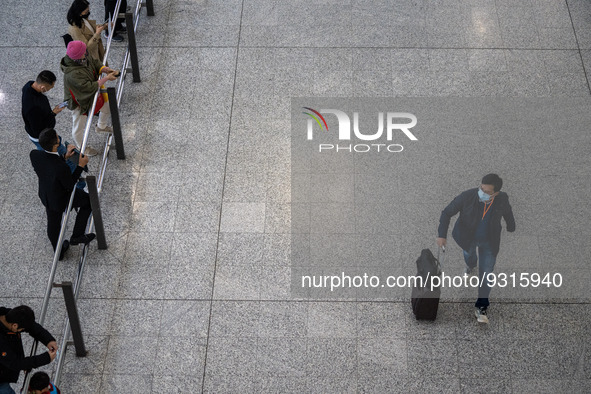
(483,197)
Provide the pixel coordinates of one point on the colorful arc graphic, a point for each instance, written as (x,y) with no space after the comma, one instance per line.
(315,118)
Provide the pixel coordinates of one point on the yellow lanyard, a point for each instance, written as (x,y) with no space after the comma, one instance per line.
(487,209)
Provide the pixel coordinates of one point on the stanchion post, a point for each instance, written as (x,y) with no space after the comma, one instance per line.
(150,7)
(73,318)
(117,135)
(135,67)
(96,212)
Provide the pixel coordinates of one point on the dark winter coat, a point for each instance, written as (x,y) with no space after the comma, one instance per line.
(12,355)
(471,209)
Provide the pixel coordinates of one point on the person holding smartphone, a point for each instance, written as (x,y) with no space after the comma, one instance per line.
(86,30)
(82,79)
(56,183)
(38,114)
(35,108)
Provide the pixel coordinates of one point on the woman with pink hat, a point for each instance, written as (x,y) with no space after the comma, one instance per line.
(81,82)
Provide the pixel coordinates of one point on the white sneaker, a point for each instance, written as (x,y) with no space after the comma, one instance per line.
(106,129)
(481,315)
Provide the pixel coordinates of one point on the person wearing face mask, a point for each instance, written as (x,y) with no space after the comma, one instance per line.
(85,30)
(38,114)
(82,79)
(478,231)
(36,111)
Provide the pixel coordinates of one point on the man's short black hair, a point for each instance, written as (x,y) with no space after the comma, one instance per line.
(46,76)
(47,139)
(39,381)
(493,179)
(21,315)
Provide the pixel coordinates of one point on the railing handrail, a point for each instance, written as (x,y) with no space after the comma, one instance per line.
(100,178)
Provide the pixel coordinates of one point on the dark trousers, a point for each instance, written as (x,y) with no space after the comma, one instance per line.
(110,9)
(54,218)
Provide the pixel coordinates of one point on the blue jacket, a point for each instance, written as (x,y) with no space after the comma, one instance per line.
(471,209)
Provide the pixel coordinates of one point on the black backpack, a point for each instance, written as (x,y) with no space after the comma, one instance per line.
(67,39)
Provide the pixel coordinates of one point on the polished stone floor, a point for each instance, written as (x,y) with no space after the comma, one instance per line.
(194,292)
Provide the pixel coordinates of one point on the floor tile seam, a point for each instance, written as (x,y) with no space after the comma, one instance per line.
(578,45)
(103,374)
(219,227)
(404,47)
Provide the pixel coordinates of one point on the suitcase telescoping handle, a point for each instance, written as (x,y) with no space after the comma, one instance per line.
(442,258)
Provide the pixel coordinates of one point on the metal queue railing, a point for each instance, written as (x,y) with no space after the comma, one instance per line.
(95,186)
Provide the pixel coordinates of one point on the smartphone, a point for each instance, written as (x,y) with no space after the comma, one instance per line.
(62,105)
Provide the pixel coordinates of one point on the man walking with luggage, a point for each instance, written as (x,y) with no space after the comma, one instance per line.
(478,231)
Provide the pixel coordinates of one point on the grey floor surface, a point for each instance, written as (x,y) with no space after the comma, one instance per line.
(193,293)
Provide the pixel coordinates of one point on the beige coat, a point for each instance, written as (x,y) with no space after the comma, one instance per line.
(93,42)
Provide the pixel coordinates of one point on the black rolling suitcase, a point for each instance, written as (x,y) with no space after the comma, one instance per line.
(424,300)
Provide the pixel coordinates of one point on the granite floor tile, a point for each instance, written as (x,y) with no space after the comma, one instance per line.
(379,320)
(145,249)
(282,384)
(241,248)
(180,357)
(122,348)
(443,328)
(434,358)
(193,248)
(78,382)
(100,281)
(243,217)
(228,382)
(189,281)
(237,282)
(184,319)
(93,362)
(278,218)
(142,283)
(381,383)
(282,320)
(154,216)
(136,317)
(231,356)
(278,249)
(136,384)
(383,356)
(197,217)
(235,319)
(477,362)
(276,283)
(281,357)
(331,357)
(332,320)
